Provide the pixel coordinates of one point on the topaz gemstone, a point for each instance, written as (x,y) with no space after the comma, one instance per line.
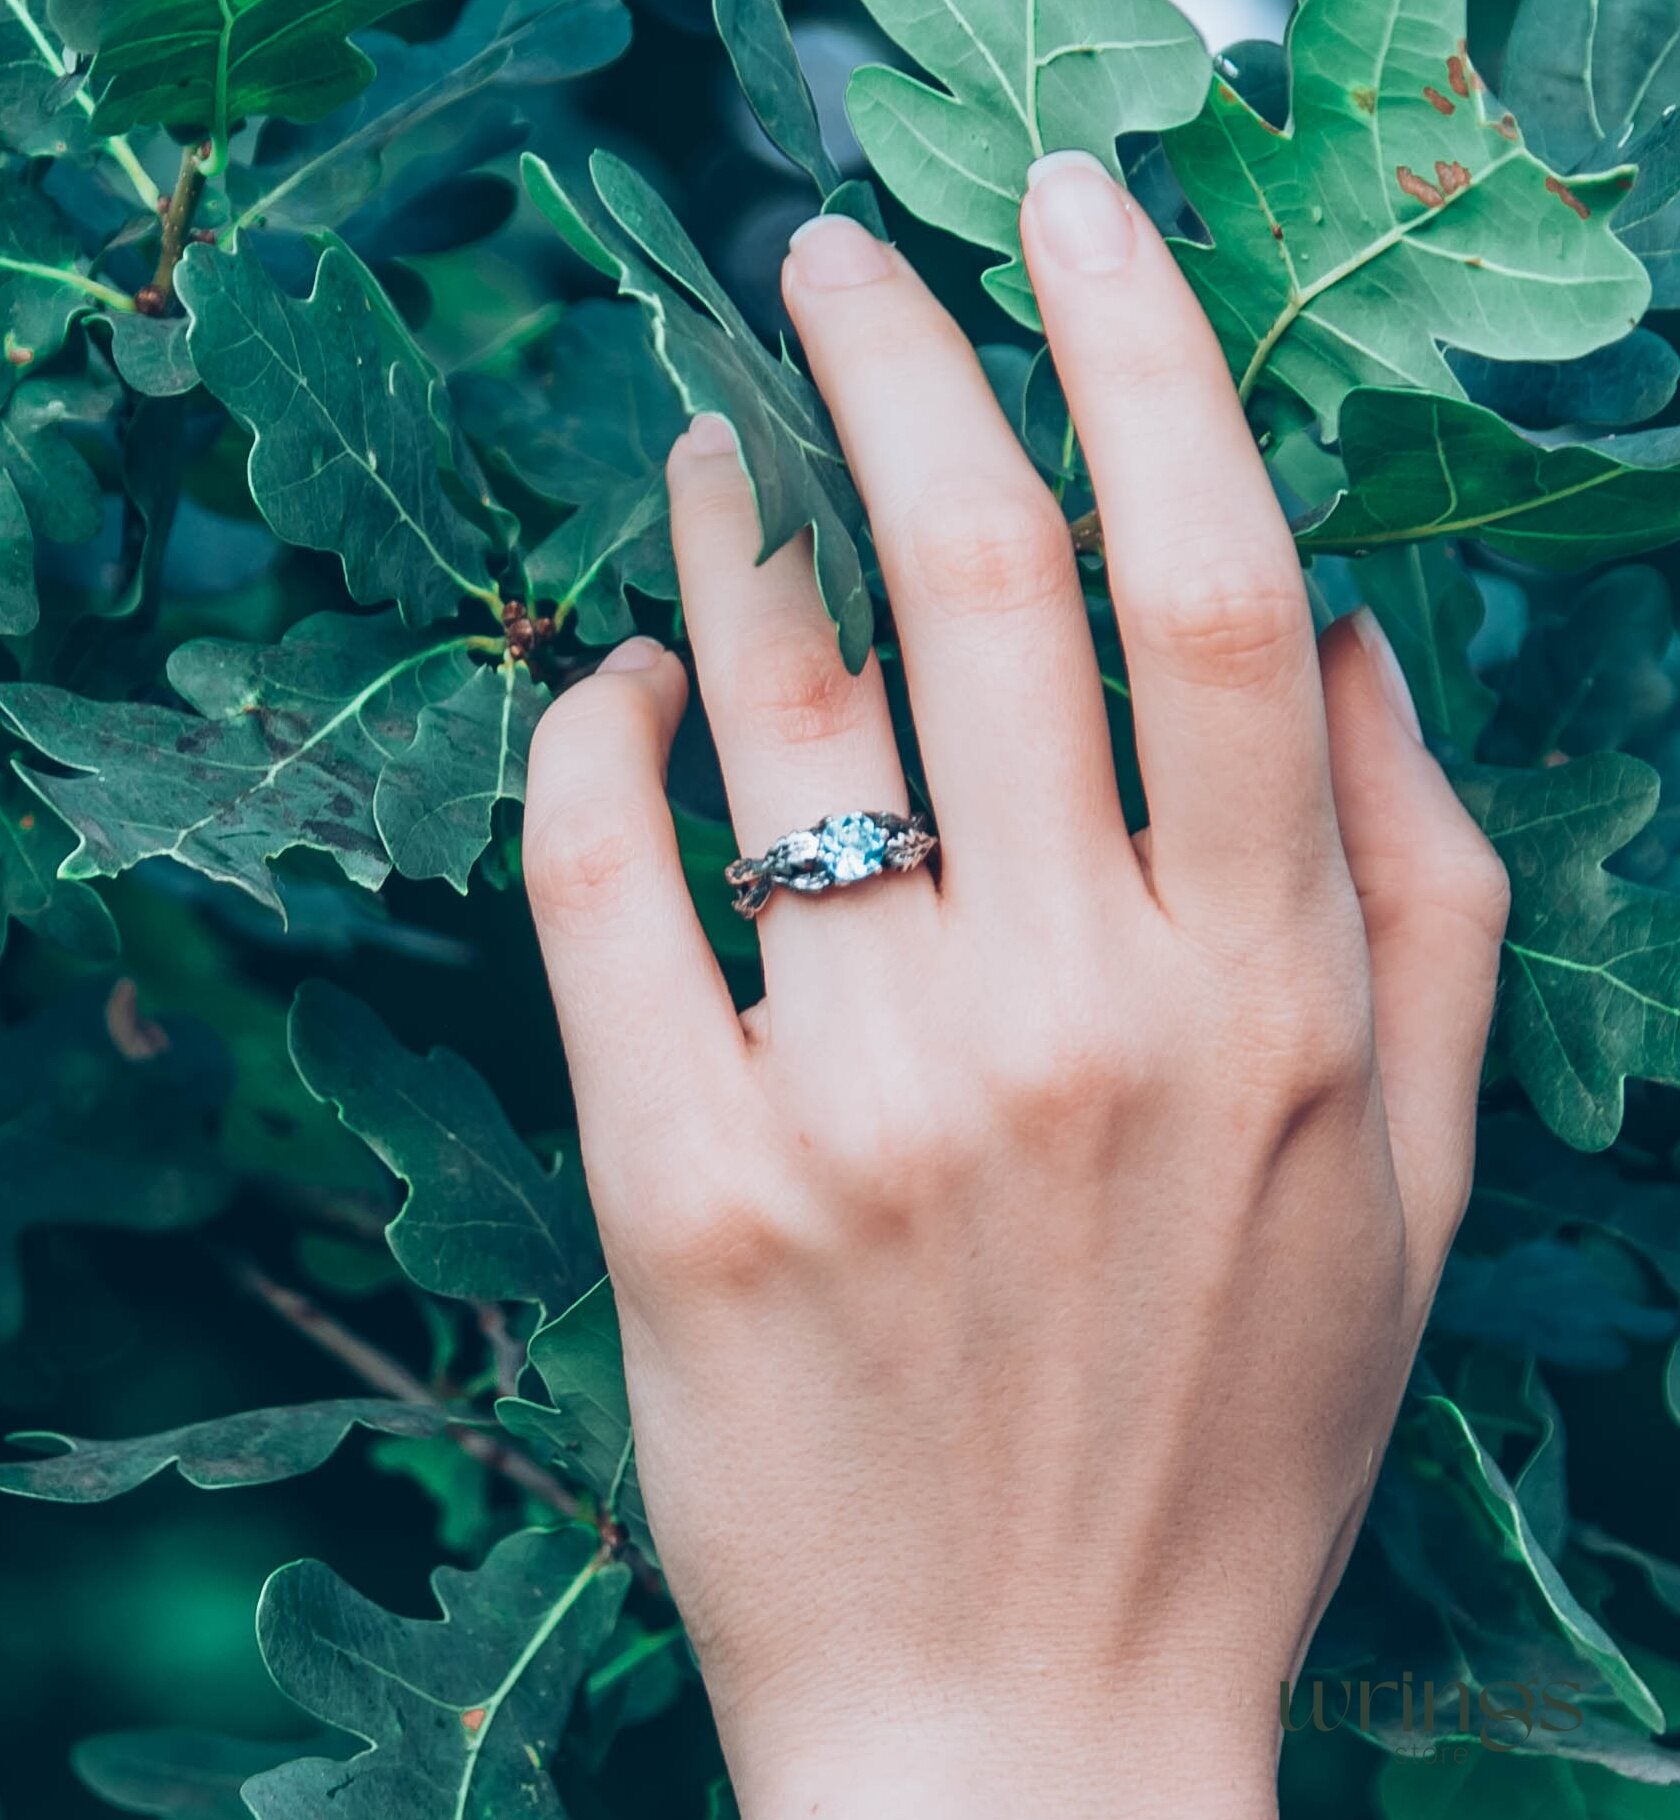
(852,847)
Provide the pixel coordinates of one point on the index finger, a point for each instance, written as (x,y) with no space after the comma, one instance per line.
(1219,642)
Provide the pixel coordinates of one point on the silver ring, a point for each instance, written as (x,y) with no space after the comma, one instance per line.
(839,850)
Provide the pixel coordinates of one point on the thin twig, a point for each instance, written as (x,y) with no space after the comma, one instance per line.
(383,1373)
(505,1350)
(177,225)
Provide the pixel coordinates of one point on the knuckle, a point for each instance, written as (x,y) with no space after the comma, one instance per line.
(580,861)
(796,689)
(1233,621)
(1300,1050)
(1054,1074)
(1471,881)
(984,547)
(725,1245)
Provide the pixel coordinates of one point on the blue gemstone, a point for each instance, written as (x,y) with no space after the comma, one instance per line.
(851,847)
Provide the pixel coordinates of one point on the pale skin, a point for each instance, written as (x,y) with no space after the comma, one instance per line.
(1017,1300)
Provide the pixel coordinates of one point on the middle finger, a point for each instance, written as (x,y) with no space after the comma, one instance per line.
(997,651)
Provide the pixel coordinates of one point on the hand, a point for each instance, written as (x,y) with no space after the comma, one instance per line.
(1016,1301)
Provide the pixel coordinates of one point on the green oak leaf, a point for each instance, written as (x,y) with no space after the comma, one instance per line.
(42,282)
(1591,975)
(151,354)
(203,65)
(788,450)
(457,1484)
(353,444)
(284,750)
(1623,383)
(761,49)
(1020,80)
(590,428)
(587,1430)
(1594,86)
(20,605)
(180,1775)
(1505,1580)
(463,1713)
(1398,210)
(434,801)
(595,409)
(1420,467)
(34,843)
(60,493)
(482,1216)
(1430,609)
(34,117)
(340,166)
(256,1447)
(1593,676)
(93,1133)
(621,539)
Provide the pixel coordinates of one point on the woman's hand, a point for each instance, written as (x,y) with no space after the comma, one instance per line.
(1017,1301)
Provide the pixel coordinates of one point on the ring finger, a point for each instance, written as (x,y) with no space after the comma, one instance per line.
(798,737)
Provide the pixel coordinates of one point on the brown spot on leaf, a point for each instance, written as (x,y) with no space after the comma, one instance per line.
(1505,126)
(1227,94)
(1457,80)
(1438,101)
(1475,259)
(1365,99)
(1277,231)
(1420,189)
(1451,177)
(1567,197)
(26,822)
(19,356)
(473,1718)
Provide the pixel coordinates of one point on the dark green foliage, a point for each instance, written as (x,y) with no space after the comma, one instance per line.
(307,514)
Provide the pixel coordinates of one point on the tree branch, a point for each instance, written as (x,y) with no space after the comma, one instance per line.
(155,298)
(379,1370)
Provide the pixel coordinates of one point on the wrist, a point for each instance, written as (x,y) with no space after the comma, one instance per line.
(1003,1763)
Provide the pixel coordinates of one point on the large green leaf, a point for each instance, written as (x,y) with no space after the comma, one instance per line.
(1398,210)
(339,166)
(20,605)
(1591,990)
(353,441)
(587,1431)
(1020,80)
(1422,467)
(203,65)
(284,750)
(42,280)
(716,363)
(482,1217)
(178,1775)
(462,1714)
(253,1448)
(102,1124)
(434,801)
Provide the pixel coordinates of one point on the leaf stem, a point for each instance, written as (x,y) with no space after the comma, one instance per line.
(378,1369)
(112,298)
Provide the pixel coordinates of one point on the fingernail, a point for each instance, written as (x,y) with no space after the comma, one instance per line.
(834,252)
(1083,217)
(633,654)
(709,434)
(1388,671)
